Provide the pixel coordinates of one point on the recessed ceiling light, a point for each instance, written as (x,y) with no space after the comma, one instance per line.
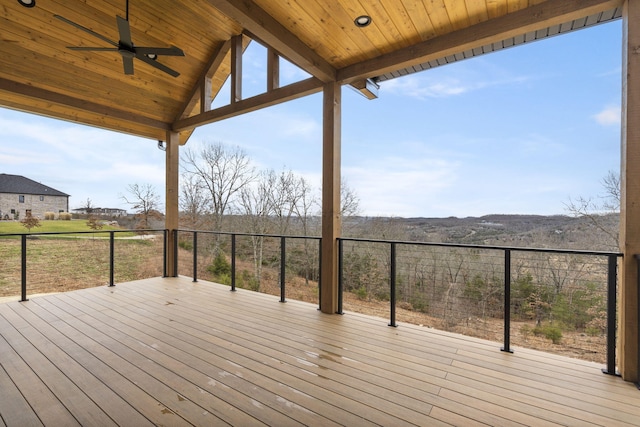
(27,3)
(362,21)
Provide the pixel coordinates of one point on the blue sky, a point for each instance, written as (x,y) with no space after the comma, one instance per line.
(520,131)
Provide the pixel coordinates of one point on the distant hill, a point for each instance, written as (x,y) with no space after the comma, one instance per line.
(555,231)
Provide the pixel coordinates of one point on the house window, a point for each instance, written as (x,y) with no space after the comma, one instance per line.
(13,211)
(21,199)
(42,198)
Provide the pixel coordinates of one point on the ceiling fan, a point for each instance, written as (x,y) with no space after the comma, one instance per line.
(126,48)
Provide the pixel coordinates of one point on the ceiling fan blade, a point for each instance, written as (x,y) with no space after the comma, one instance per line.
(124,31)
(97,49)
(158,65)
(127,62)
(86,30)
(168,51)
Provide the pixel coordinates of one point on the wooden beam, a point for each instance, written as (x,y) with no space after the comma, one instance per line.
(331,221)
(207,73)
(79,104)
(171,198)
(264,28)
(273,70)
(542,15)
(206,97)
(630,194)
(277,96)
(236,69)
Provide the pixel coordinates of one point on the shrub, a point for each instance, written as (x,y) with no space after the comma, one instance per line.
(49,216)
(94,224)
(526,331)
(30,222)
(186,245)
(64,216)
(219,266)
(361,293)
(248,281)
(551,332)
(420,303)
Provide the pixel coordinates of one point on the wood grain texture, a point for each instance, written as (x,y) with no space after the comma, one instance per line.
(318,36)
(173,352)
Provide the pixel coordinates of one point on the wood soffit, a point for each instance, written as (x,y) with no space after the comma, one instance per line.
(39,74)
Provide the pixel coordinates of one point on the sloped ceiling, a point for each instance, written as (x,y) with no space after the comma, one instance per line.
(39,74)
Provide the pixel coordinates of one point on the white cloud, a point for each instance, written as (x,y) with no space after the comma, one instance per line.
(421,87)
(400,186)
(609,116)
(457,81)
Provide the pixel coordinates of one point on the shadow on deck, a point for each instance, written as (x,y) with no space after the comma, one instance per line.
(167,351)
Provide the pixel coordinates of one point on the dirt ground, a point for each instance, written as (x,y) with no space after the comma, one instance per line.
(573,344)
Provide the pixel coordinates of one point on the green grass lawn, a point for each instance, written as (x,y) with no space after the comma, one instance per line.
(15,227)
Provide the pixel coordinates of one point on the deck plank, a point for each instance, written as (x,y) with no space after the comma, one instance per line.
(174,352)
(271,352)
(14,409)
(43,401)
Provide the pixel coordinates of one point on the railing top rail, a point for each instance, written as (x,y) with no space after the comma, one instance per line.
(229,233)
(53,233)
(485,247)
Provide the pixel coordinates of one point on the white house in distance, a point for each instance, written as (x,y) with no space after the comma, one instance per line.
(112,212)
(19,195)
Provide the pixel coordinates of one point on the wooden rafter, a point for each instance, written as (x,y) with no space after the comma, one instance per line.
(75,103)
(264,28)
(267,99)
(198,92)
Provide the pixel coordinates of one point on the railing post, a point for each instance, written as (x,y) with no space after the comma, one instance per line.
(233,263)
(340,274)
(165,234)
(23,256)
(195,256)
(507,301)
(283,261)
(175,253)
(111,257)
(392,282)
(612,281)
(638,305)
(320,274)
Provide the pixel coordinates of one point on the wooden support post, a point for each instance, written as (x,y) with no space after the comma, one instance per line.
(630,193)
(236,69)
(205,95)
(273,70)
(171,198)
(330,196)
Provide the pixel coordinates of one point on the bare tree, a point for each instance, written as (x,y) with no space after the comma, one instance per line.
(349,200)
(307,201)
(283,198)
(255,206)
(145,201)
(192,200)
(304,208)
(599,212)
(88,206)
(222,172)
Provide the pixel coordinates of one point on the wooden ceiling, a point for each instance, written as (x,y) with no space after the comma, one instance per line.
(39,74)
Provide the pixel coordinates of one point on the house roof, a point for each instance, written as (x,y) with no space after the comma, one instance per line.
(40,74)
(16,184)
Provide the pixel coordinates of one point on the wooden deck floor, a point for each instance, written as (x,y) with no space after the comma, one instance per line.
(171,352)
